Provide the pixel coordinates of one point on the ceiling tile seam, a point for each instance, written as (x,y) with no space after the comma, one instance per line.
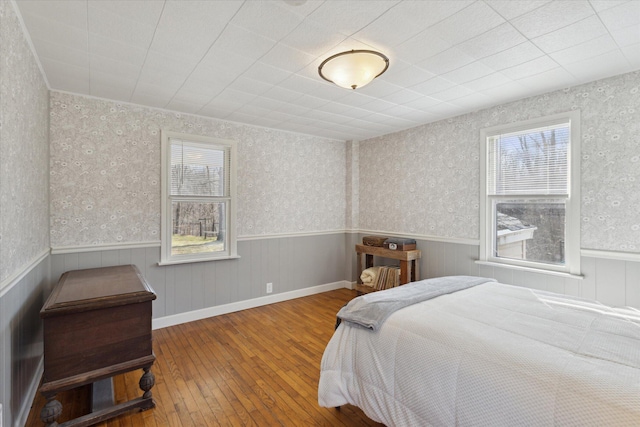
(427,28)
(164,3)
(256,61)
(201,59)
(610,35)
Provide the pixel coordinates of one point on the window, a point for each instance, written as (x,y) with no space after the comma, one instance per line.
(198,198)
(530,175)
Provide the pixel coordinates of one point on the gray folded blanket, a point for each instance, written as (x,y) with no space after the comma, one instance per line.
(371,310)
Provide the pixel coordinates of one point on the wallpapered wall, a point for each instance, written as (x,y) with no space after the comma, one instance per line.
(24,103)
(425,180)
(105,173)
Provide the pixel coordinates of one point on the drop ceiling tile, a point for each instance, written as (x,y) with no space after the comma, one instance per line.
(621,16)
(379,89)
(423,103)
(470,22)
(61,53)
(150,99)
(354,98)
(224,66)
(113,26)
(422,46)
(402,96)
(510,9)
(266,73)
(104,78)
(147,12)
(407,19)
(184,107)
(496,40)
(474,101)
(632,53)
(71,12)
(282,94)
(378,105)
(312,39)
(551,17)
(116,68)
(516,55)
(309,101)
(626,36)
(156,91)
(281,22)
(444,109)
(206,87)
(287,58)
(248,85)
(164,79)
(541,64)
(404,74)
(200,98)
(41,28)
(436,84)
(539,83)
(468,73)
(66,77)
(117,92)
(507,92)
(600,5)
(345,17)
(446,61)
(235,96)
(112,49)
(356,113)
(598,67)
(488,82)
(452,93)
(219,109)
(244,42)
(585,50)
(571,35)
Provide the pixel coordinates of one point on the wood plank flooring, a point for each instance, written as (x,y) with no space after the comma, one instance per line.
(255,367)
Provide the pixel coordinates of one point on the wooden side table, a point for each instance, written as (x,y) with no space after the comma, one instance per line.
(97,324)
(409,266)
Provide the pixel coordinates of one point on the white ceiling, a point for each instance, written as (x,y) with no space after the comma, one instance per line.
(256,61)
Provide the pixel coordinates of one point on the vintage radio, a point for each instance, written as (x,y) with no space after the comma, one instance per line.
(373,240)
(400,244)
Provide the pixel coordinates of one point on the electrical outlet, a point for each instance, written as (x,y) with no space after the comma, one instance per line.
(269,288)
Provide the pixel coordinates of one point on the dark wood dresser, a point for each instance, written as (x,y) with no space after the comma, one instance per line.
(97,324)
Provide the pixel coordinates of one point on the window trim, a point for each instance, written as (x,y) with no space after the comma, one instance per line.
(165,217)
(572,212)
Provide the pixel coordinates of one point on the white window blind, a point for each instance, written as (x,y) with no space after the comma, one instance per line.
(530,162)
(199,170)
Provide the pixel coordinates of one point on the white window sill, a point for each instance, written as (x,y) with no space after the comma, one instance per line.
(530,269)
(189,261)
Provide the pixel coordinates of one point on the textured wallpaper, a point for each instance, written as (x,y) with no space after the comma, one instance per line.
(105,173)
(24,102)
(426,180)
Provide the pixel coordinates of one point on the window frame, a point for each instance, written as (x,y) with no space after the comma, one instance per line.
(572,201)
(166,257)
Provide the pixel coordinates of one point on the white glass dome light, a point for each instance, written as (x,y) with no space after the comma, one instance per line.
(354,68)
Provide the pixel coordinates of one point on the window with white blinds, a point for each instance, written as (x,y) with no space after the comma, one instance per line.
(198,198)
(534,161)
(199,169)
(530,213)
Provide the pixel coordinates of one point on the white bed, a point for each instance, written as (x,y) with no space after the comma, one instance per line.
(490,355)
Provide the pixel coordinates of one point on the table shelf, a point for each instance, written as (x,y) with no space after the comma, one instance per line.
(409,265)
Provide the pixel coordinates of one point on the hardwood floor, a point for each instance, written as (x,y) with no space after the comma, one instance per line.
(254,367)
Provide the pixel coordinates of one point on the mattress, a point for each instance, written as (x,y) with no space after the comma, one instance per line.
(490,355)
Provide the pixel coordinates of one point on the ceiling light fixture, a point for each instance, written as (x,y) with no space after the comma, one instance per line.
(354,68)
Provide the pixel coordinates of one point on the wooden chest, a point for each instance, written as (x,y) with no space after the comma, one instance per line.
(97,323)
(400,244)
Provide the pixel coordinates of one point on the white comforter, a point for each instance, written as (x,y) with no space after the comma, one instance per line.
(491,355)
